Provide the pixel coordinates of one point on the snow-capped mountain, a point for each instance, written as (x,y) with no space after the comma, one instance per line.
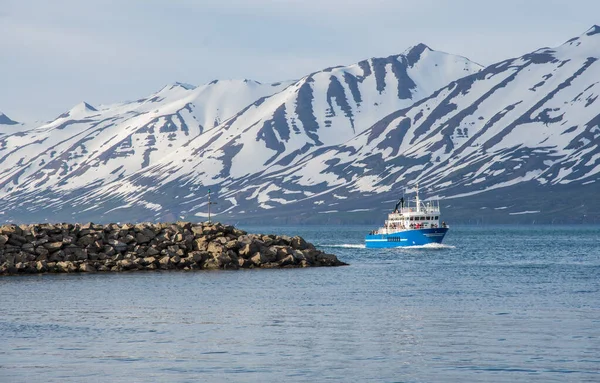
(518,140)
(520,137)
(89,145)
(212,134)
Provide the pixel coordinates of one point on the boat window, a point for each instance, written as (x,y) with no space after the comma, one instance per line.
(428,218)
(437,217)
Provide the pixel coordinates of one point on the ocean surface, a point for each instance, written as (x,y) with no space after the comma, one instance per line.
(493,304)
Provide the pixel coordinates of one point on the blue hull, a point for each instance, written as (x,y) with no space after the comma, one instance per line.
(417,237)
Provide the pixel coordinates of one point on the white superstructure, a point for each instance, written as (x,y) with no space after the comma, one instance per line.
(419,215)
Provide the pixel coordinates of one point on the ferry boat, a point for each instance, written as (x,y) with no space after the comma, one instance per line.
(408,225)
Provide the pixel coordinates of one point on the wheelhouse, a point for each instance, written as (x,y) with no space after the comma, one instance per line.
(418,215)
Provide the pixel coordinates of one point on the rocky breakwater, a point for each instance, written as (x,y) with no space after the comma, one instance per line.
(67,248)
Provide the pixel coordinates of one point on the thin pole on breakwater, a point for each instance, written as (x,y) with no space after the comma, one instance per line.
(209,203)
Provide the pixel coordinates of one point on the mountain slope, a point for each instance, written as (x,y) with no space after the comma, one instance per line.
(90,145)
(530,123)
(516,141)
(324,108)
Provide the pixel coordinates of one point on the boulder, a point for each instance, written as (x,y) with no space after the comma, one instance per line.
(164,262)
(258,259)
(41,241)
(117,245)
(28,248)
(328,260)
(66,267)
(244,263)
(298,256)
(211,264)
(248,250)
(57,256)
(215,248)
(11,229)
(289,260)
(148,260)
(141,238)
(221,240)
(109,251)
(152,251)
(126,264)
(128,239)
(198,230)
(285,240)
(270,253)
(41,266)
(68,240)
(87,268)
(198,256)
(283,251)
(53,246)
(298,243)
(200,244)
(16,240)
(78,253)
(231,245)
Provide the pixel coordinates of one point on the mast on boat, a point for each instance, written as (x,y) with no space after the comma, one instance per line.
(418,200)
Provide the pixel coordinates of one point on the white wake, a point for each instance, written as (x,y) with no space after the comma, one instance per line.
(428,246)
(346,246)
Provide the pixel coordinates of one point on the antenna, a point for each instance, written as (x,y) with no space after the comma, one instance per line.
(209,203)
(418,201)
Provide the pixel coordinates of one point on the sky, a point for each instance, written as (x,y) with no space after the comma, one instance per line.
(55,54)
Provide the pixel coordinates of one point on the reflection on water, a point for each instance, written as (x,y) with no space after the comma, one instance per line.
(481,308)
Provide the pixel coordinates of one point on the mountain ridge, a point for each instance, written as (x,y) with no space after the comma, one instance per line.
(337,145)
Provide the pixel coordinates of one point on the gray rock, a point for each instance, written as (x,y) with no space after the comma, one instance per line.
(53,246)
(215,248)
(128,239)
(41,266)
(258,259)
(148,260)
(86,240)
(56,256)
(200,244)
(164,262)
(68,240)
(41,241)
(151,252)
(117,245)
(211,264)
(11,229)
(299,243)
(270,253)
(298,256)
(289,260)
(126,264)
(66,267)
(141,238)
(87,268)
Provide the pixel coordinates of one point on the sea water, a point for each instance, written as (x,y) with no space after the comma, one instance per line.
(493,303)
